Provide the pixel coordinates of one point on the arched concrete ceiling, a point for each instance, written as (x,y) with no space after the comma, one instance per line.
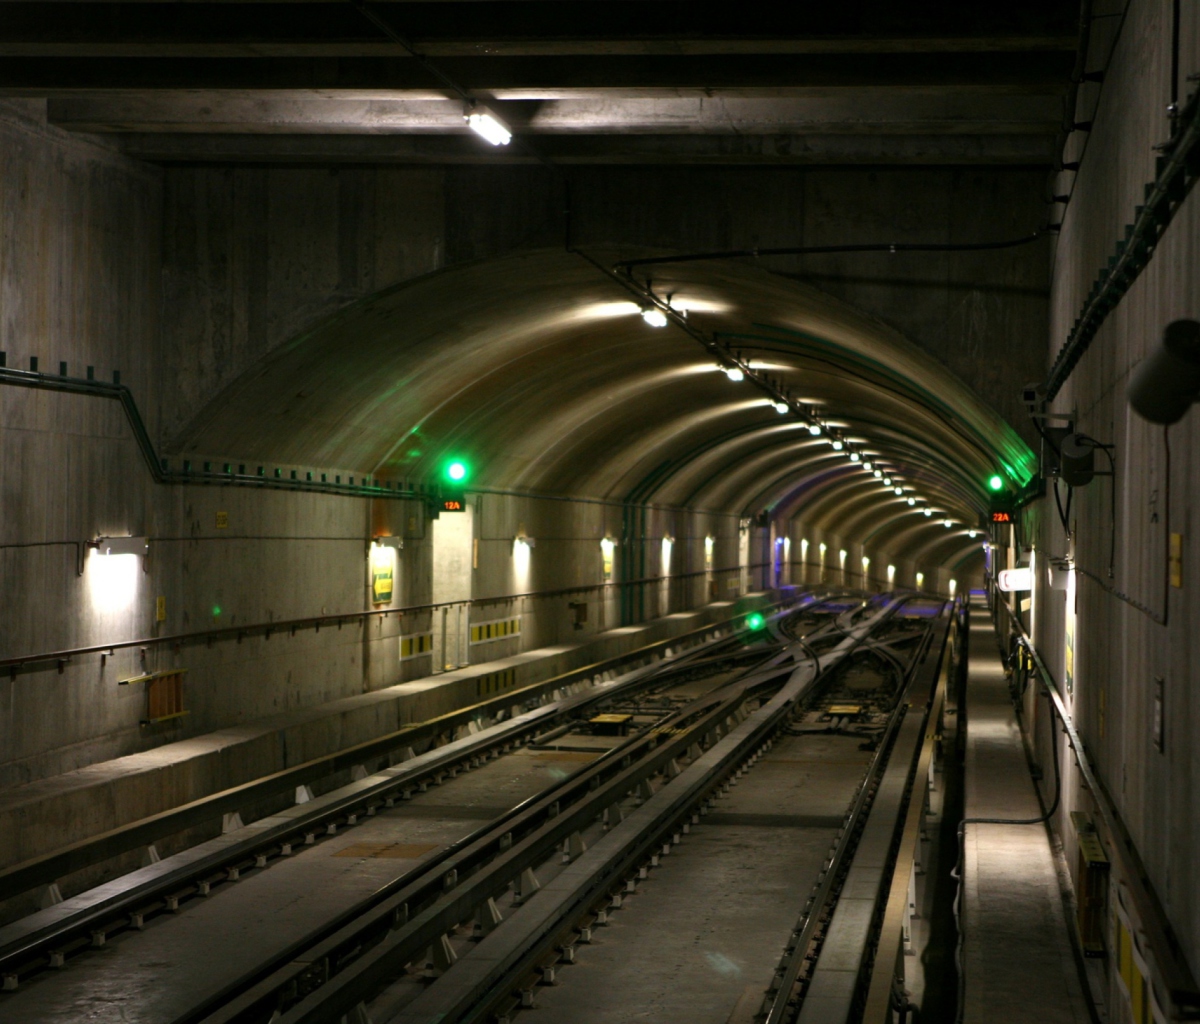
(538,369)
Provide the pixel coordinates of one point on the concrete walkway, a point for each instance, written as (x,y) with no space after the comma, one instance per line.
(1017,956)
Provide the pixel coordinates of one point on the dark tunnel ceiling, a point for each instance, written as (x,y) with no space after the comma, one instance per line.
(539,369)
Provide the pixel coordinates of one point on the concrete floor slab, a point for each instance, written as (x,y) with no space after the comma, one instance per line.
(1018,961)
(700,939)
(152,977)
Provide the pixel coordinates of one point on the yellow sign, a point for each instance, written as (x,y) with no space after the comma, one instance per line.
(160,610)
(222,520)
(381,580)
(1176,560)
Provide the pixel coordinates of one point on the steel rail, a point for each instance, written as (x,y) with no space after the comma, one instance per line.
(1167,960)
(782,1003)
(47,868)
(25,942)
(417,909)
(889,951)
(472,986)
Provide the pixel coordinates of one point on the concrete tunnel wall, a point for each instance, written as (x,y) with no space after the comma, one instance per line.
(183,279)
(1125,656)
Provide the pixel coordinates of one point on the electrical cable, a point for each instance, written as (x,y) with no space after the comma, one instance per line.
(817,250)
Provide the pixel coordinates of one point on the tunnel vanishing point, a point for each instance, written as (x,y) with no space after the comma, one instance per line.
(593,512)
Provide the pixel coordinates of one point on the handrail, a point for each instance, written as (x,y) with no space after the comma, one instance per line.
(1167,960)
(342,618)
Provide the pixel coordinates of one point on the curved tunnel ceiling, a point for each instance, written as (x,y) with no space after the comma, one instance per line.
(539,369)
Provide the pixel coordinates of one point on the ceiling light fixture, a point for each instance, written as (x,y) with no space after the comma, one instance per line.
(815,430)
(928,511)
(734,373)
(899,490)
(854,456)
(837,446)
(487,125)
(912,501)
(780,407)
(654,316)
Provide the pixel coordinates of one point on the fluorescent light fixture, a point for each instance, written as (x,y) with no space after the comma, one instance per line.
(734,373)
(854,456)
(487,125)
(928,511)
(971,533)
(887,481)
(780,407)
(899,490)
(837,446)
(122,545)
(654,316)
(912,501)
(877,473)
(815,430)
(946,523)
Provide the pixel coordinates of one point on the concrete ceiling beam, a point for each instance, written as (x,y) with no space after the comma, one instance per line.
(160,68)
(370,46)
(837,112)
(713,150)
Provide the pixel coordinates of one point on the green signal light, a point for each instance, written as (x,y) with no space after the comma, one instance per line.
(996,483)
(456,471)
(755,621)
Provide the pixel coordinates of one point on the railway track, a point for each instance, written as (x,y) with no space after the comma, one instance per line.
(533,830)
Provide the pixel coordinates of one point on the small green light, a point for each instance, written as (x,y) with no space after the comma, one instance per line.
(755,621)
(456,471)
(216,610)
(996,483)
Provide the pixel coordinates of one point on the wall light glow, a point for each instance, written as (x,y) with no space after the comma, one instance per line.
(735,374)
(667,544)
(488,126)
(928,511)
(654,316)
(912,501)
(780,407)
(953,587)
(521,559)
(891,574)
(842,557)
(920,580)
(854,456)
(112,581)
(837,446)
(708,554)
(815,430)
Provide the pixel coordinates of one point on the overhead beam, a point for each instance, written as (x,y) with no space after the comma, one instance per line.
(829,112)
(1021,71)
(699,150)
(98,46)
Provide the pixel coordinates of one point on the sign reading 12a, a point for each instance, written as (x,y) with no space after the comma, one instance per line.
(452,505)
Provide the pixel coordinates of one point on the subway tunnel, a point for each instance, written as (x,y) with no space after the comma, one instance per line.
(597,512)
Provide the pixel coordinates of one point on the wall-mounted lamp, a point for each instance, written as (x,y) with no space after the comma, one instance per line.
(734,373)
(484,123)
(122,545)
(654,316)
(395,543)
(1167,382)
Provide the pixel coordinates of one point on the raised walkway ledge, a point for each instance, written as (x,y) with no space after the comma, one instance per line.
(50,813)
(1017,954)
